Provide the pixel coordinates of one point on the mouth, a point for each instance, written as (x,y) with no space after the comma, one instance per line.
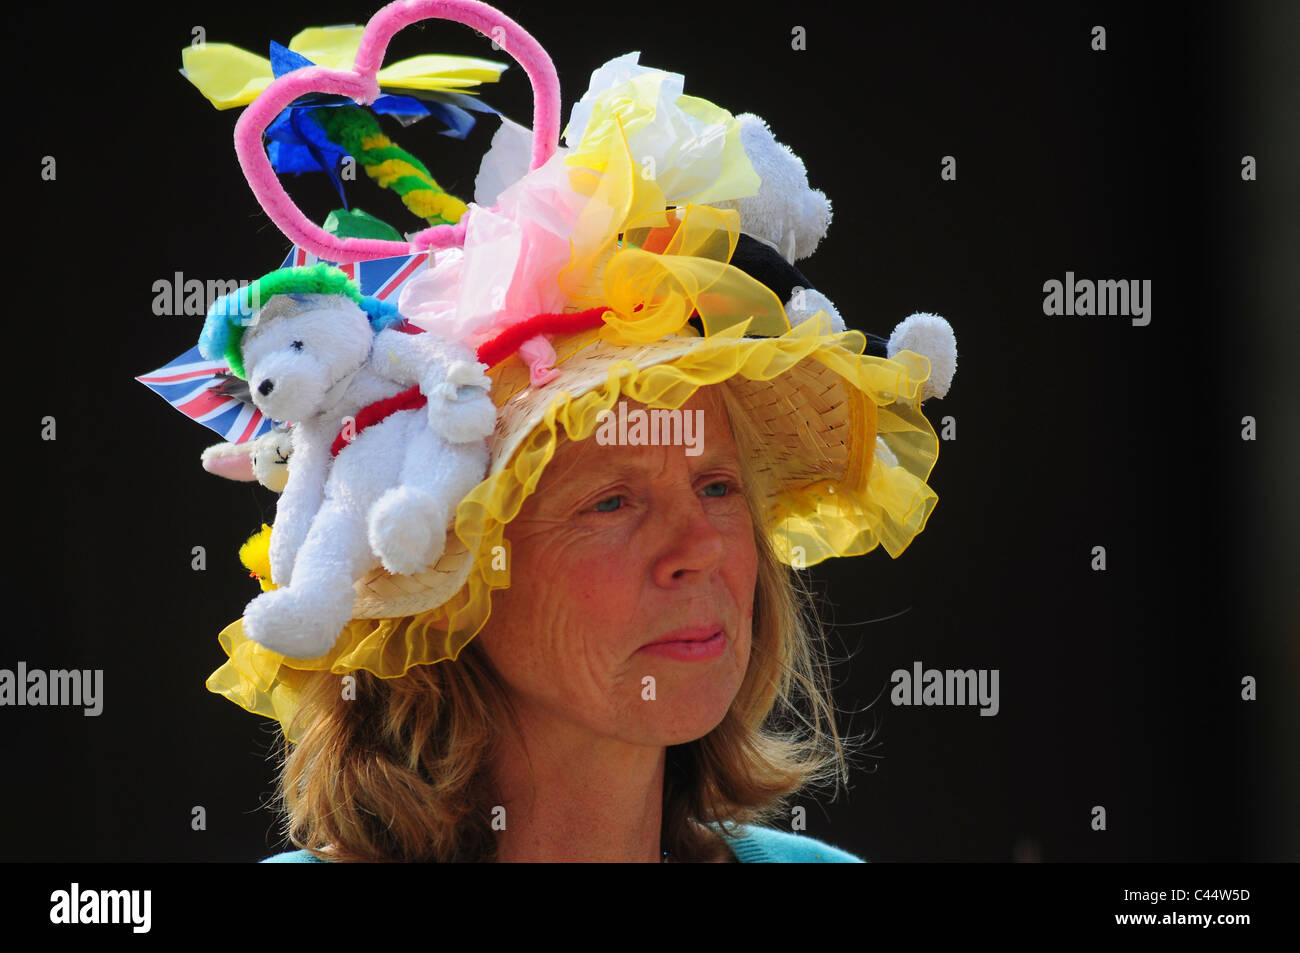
(693,644)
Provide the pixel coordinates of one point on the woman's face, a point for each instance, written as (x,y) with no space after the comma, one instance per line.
(622,547)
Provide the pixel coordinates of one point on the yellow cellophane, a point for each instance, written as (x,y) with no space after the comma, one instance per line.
(652,294)
(229,76)
(878,501)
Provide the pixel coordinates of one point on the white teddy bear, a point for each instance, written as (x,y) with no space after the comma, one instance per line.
(359,493)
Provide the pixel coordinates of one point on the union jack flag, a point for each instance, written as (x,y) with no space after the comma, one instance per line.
(381,278)
(193,385)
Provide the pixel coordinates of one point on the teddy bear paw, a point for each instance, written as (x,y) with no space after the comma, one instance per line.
(282,621)
(407,530)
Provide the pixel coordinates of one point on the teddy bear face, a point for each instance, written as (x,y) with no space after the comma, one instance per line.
(301,351)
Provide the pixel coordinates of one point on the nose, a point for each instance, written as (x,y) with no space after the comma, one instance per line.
(692,546)
(266,387)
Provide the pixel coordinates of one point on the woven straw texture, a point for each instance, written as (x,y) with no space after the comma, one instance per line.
(804,417)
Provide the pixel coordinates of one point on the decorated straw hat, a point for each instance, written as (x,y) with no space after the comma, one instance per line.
(580,281)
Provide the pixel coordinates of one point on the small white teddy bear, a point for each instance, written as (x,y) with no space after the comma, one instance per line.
(375,472)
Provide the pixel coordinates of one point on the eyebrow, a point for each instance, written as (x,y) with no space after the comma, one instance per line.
(625,470)
(713,452)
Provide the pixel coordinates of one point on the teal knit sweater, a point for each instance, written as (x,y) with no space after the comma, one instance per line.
(756,845)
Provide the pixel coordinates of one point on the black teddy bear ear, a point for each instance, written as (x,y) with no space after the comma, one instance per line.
(765,263)
(226,384)
(876,345)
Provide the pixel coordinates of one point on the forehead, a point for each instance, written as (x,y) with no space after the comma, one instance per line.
(710,431)
(288,305)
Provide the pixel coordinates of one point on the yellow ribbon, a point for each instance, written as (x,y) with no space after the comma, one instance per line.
(230,76)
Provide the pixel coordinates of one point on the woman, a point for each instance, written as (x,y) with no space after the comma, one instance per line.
(611,660)
(622,559)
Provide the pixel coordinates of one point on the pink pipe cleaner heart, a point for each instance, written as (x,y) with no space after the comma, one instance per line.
(362,86)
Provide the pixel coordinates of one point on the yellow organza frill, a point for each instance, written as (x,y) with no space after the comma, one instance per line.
(883,499)
(649,289)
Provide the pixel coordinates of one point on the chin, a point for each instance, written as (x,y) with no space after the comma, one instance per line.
(687,710)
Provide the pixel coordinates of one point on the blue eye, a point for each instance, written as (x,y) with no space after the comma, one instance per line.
(612,504)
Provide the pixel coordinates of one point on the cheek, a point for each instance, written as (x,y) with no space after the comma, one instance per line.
(742,564)
(579,573)
(586,583)
(561,597)
(598,584)
(742,578)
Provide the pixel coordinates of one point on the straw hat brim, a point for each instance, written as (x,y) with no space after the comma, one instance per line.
(815,429)
(843,446)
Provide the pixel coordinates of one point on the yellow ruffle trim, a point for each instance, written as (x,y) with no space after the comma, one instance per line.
(883,499)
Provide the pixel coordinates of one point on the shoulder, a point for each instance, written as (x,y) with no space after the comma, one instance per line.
(761,845)
(292,857)
(768,846)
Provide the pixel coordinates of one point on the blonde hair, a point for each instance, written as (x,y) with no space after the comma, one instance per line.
(401,772)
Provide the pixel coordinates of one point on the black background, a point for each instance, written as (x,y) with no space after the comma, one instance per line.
(1118,688)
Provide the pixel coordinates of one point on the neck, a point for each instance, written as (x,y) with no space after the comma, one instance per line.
(571,797)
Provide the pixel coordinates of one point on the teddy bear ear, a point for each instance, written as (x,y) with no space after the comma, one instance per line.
(786,210)
(932,336)
(233,461)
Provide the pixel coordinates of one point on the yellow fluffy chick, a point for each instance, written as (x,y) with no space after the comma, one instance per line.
(256,557)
